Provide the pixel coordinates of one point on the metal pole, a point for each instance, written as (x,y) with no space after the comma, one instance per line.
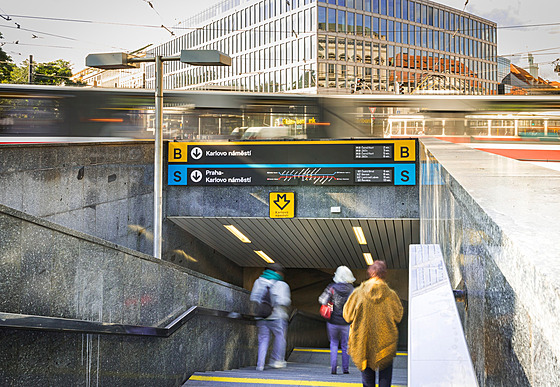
(30,75)
(158,166)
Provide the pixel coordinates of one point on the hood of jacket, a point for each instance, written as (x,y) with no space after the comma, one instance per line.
(375,289)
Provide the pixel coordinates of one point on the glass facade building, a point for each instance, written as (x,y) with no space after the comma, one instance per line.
(337,46)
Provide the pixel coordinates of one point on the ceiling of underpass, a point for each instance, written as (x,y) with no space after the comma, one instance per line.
(306,242)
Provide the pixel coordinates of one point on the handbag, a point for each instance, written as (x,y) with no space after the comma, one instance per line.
(326,310)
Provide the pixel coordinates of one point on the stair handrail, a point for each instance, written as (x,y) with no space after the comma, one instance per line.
(62,324)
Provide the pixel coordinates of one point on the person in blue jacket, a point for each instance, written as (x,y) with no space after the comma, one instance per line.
(277,323)
(338,292)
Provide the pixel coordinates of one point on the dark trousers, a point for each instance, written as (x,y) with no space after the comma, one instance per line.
(385,377)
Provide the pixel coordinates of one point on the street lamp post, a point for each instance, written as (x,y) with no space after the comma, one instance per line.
(121,60)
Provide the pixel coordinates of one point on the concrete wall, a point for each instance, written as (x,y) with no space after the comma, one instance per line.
(496,221)
(50,270)
(104,190)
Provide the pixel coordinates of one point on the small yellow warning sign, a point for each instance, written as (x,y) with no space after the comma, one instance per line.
(282,204)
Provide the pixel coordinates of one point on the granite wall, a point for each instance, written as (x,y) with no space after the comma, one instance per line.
(496,221)
(104,190)
(312,201)
(50,270)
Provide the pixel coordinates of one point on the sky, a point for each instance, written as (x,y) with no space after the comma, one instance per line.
(71,29)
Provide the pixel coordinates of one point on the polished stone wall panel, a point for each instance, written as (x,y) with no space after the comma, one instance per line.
(494,218)
(74,275)
(67,251)
(311,202)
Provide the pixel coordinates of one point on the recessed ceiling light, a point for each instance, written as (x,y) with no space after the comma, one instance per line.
(237,233)
(368,258)
(359,235)
(263,255)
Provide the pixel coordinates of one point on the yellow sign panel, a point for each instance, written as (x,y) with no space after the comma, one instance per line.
(405,150)
(282,204)
(177,152)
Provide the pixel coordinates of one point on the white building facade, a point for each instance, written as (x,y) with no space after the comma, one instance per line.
(336,46)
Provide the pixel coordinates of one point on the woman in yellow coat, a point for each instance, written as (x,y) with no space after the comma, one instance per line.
(373,311)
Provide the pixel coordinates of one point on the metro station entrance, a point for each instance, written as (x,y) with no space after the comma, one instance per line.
(308,205)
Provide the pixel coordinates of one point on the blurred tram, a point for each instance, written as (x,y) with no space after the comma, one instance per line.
(34,114)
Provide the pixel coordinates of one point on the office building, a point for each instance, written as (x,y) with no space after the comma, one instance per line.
(337,46)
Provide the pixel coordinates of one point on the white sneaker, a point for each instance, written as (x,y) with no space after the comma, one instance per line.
(278,364)
(260,368)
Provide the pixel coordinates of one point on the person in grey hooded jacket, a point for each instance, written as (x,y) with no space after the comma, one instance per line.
(338,292)
(277,323)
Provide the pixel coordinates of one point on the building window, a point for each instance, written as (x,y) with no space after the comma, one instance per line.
(397,32)
(367,52)
(332,48)
(322,42)
(367,26)
(341,49)
(332,75)
(341,21)
(332,20)
(350,23)
(350,51)
(359,24)
(322,19)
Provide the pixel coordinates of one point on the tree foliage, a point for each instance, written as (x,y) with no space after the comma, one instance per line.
(57,72)
(53,73)
(6,66)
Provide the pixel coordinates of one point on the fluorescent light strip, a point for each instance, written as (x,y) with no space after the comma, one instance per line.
(359,235)
(263,255)
(368,258)
(237,233)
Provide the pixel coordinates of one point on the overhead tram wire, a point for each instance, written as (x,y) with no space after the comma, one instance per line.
(228,30)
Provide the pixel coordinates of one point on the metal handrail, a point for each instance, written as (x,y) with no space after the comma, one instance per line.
(59,324)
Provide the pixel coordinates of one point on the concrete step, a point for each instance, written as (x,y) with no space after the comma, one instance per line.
(305,367)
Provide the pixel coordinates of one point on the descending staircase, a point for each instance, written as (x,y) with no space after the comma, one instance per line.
(306,367)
